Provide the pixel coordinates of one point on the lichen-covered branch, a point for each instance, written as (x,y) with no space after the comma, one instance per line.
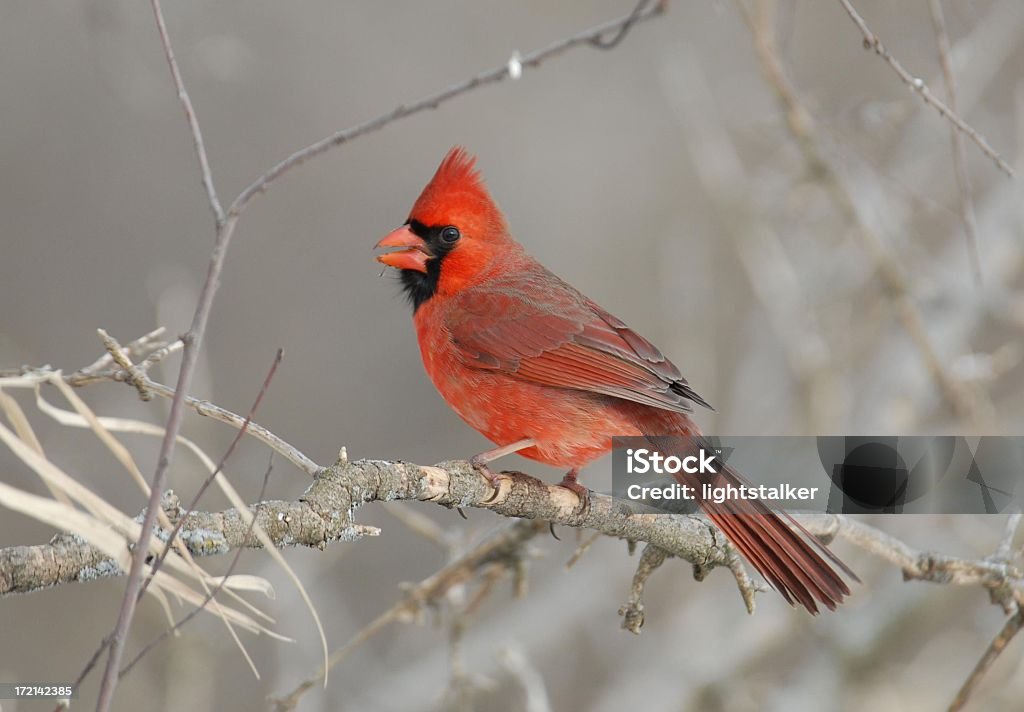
(326,512)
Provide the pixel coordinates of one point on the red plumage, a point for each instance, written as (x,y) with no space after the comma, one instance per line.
(533,364)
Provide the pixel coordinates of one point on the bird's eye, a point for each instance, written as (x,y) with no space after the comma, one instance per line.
(450,235)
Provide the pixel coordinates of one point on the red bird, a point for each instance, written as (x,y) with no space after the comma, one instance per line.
(540,369)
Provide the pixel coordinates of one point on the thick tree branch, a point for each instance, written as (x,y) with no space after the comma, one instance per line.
(326,510)
(325,513)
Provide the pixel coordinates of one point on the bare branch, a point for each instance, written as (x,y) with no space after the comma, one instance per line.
(502,547)
(146,344)
(998,644)
(1004,551)
(934,567)
(801,125)
(633,611)
(1011,604)
(963,179)
(190,115)
(212,593)
(169,542)
(117,353)
(593,37)
(581,549)
(28,377)
(916,84)
(325,513)
(192,342)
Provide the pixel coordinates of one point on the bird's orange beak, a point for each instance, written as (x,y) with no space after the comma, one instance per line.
(415,255)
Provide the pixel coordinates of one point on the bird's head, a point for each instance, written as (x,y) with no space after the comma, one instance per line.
(454,235)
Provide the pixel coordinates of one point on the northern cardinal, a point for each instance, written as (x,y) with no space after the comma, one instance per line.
(540,369)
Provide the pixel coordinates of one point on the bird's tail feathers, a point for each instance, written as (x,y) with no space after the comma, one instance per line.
(791,559)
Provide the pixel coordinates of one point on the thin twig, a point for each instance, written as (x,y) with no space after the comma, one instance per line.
(192,506)
(801,125)
(189,358)
(104,644)
(31,377)
(590,38)
(500,547)
(422,525)
(206,408)
(529,678)
(117,353)
(209,596)
(994,575)
(632,611)
(1004,551)
(998,644)
(963,179)
(916,84)
(623,29)
(190,115)
(148,343)
(582,549)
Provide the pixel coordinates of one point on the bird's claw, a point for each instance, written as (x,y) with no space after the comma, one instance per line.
(495,480)
(569,482)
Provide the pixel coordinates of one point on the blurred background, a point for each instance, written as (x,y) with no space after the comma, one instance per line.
(660,178)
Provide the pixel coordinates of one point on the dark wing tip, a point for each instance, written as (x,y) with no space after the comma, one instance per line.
(686,391)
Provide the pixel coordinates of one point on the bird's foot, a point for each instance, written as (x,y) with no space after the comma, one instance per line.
(480,465)
(569,482)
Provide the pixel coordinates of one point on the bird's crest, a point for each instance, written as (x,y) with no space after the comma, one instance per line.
(456,193)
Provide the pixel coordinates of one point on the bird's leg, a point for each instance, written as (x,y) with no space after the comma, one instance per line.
(479,462)
(570,483)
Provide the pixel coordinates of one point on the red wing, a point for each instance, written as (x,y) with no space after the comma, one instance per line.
(558,337)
